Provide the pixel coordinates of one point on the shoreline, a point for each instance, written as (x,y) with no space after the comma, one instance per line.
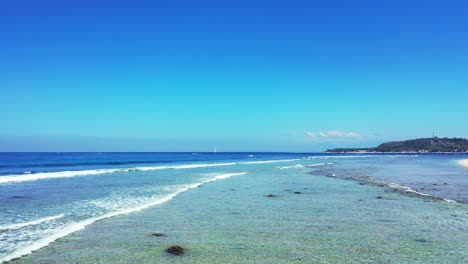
(78,226)
(270,215)
(307,219)
(391,186)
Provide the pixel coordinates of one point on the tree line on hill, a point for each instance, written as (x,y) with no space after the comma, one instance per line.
(434,144)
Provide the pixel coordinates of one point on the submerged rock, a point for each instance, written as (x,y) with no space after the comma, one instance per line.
(297,193)
(175,250)
(379,197)
(19,197)
(158,235)
(271,195)
(421,240)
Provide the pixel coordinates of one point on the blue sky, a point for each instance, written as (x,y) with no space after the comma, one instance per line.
(239,75)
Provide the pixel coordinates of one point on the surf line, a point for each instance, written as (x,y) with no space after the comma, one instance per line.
(73,227)
(70,174)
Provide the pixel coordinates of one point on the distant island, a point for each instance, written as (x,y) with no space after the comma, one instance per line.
(434,144)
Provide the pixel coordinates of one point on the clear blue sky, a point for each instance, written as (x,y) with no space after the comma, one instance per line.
(240,75)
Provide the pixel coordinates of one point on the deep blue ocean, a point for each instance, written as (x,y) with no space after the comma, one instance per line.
(47,196)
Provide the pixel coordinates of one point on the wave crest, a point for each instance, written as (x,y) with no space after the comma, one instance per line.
(76,226)
(30,223)
(69,174)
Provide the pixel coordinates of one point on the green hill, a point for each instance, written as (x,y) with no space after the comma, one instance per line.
(415,145)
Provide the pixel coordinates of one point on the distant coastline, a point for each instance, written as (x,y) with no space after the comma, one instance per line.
(420,145)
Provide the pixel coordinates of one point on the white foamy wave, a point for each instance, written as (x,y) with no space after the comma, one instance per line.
(73,227)
(358,156)
(290,167)
(320,164)
(70,174)
(53,175)
(268,161)
(220,176)
(404,156)
(302,166)
(185,166)
(405,189)
(30,223)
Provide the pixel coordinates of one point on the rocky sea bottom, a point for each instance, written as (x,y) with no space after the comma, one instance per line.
(291,215)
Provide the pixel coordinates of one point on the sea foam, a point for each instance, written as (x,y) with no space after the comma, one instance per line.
(407,190)
(298,166)
(69,174)
(359,156)
(30,223)
(73,227)
(268,161)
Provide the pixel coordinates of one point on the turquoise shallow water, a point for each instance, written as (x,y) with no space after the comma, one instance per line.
(232,220)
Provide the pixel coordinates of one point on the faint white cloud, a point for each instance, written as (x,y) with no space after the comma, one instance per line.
(337,133)
(332,135)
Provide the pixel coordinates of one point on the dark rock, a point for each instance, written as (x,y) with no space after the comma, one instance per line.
(435,184)
(199,186)
(421,240)
(271,195)
(445,183)
(175,250)
(19,197)
(297,192)
(386,220)
(379,197)
(158,235)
